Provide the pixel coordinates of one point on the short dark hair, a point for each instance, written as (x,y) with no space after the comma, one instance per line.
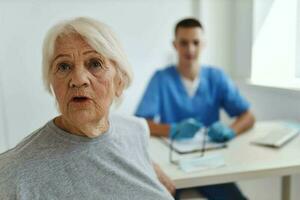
(188,23)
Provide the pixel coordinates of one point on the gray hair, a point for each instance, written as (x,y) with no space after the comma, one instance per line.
(98,35)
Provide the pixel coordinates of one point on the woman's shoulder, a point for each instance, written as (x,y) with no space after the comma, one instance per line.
(13,160)
(129,122)
(23,151)
(132,131)
(131,127)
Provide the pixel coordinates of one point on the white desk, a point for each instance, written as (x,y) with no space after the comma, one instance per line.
(243,161)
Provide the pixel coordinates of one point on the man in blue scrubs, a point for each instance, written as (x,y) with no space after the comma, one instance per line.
(184,97)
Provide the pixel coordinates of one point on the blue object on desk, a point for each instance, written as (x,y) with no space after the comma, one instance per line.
(185,129)
(219,132)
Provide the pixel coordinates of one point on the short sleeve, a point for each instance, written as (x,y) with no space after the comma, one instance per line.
(231,99)
(149,105)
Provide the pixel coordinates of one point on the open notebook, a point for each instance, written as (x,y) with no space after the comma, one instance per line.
(195,144)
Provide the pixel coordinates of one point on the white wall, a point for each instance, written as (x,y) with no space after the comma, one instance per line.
(145,28)
(217,16)
(3,138)
(2,129)
(243,39)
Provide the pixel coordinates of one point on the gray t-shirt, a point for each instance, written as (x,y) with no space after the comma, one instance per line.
(54,164)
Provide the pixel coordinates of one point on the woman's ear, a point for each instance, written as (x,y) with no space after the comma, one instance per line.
(119,87)
(118,80)
(119,84)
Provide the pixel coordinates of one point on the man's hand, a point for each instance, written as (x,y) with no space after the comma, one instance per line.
(164,179)
(185,129)
(219,132)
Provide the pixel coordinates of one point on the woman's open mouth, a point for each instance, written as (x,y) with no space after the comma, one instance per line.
(80,99)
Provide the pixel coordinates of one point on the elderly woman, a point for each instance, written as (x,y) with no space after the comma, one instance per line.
(85,153)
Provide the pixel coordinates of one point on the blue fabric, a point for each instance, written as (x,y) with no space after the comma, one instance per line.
(226,191)
(166,98)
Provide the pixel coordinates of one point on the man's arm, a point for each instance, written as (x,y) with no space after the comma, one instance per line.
(243,122)
(160,130)
(240,125)
(164,179)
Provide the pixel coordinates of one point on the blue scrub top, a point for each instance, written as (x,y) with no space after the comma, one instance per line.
(167,99)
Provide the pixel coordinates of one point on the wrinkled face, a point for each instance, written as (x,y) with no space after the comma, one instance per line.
(84,82)
(188,44)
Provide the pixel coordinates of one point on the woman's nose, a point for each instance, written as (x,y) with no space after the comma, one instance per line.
(79,78)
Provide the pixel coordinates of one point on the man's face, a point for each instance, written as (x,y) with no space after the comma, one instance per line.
(188,44)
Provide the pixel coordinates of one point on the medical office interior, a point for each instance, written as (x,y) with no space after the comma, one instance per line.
(256,42)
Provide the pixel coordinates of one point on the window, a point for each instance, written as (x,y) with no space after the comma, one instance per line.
(276,43)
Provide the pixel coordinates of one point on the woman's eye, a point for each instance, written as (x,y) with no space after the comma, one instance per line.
(62,67)
(95,63)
